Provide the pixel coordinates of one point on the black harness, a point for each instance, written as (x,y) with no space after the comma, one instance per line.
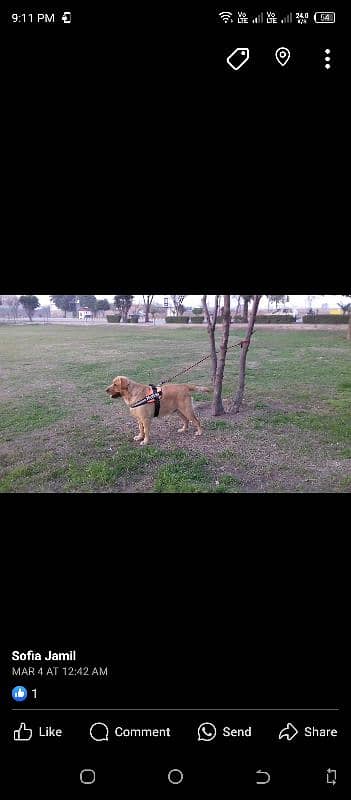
(154,397)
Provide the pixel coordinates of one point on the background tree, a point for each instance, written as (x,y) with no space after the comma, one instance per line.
(237,400)
(65,302)
(237,297)
(276,298)
(147,298)
(247,299)
(345,307)
(123,303)
(29,302)
(349,328)
(156,310)
(310,298)
(178,300)
(11,304)
(102,305)
(211,329)
(348,336)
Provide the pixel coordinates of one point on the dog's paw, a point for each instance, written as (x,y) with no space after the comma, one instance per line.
(182,430)
(143,442)
(138,438)
(198,433)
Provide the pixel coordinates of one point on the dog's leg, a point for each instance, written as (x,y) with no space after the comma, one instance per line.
(185,423)
(140,435)
(196,422)
(193,418)
(146,426)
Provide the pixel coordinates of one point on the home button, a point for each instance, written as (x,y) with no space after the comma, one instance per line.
(175,776)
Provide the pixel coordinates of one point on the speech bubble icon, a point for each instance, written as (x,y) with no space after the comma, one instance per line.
(206,732)
(99,732)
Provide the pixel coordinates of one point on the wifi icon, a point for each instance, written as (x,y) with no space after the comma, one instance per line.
(226,16)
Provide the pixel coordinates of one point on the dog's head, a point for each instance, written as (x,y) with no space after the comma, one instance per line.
(118,386)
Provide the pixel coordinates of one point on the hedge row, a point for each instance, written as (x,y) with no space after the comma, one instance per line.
(269,319)
(330,319)
(183,320)
(117,318)
(197,320)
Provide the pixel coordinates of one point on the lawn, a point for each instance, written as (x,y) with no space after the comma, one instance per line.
(60,432)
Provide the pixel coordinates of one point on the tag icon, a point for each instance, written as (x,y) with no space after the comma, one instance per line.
(282,55)
(238,57)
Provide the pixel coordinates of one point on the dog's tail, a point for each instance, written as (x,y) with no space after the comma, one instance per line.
(194,388)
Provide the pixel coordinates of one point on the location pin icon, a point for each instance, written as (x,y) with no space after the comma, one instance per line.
(282,55)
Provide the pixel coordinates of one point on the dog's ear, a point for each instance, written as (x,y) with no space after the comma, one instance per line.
(124,383)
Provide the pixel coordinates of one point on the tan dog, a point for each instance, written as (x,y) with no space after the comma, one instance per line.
(175,398)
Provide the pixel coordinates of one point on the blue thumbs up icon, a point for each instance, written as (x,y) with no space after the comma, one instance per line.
(19,693)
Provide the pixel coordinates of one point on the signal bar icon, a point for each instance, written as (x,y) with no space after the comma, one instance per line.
(226,16)
(287,19)
(259,18)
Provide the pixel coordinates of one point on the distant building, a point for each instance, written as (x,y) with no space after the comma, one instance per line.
(85,313)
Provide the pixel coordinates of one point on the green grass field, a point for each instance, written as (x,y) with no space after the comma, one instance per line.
(59,431)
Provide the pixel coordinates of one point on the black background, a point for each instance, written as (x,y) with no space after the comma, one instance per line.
(167,168)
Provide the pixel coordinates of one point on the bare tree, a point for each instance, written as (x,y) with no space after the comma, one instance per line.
(157,312)
(177,302)
(147,304)
(217,405)
(11,301)
(276,298)
(237,400)
(211,328)
(349,326)
(247,299)
(237,297)
(123,303)
(345,307)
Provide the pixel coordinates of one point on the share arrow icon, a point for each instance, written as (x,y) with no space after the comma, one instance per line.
(289,732)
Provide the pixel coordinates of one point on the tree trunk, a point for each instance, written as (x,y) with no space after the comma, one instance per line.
(217,405)
(349,328)
(65,313)
(246,310)
(147,304)
(211,327)
(238,307)
(237,400)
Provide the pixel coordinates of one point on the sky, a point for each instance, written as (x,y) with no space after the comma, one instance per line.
(296,300)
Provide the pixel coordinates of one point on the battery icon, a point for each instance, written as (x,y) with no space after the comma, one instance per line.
(324,16)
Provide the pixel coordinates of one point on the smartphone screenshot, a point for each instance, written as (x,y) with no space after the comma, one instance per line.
(172,178)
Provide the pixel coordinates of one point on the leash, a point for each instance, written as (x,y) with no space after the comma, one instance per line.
(183,371)
(155,395)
